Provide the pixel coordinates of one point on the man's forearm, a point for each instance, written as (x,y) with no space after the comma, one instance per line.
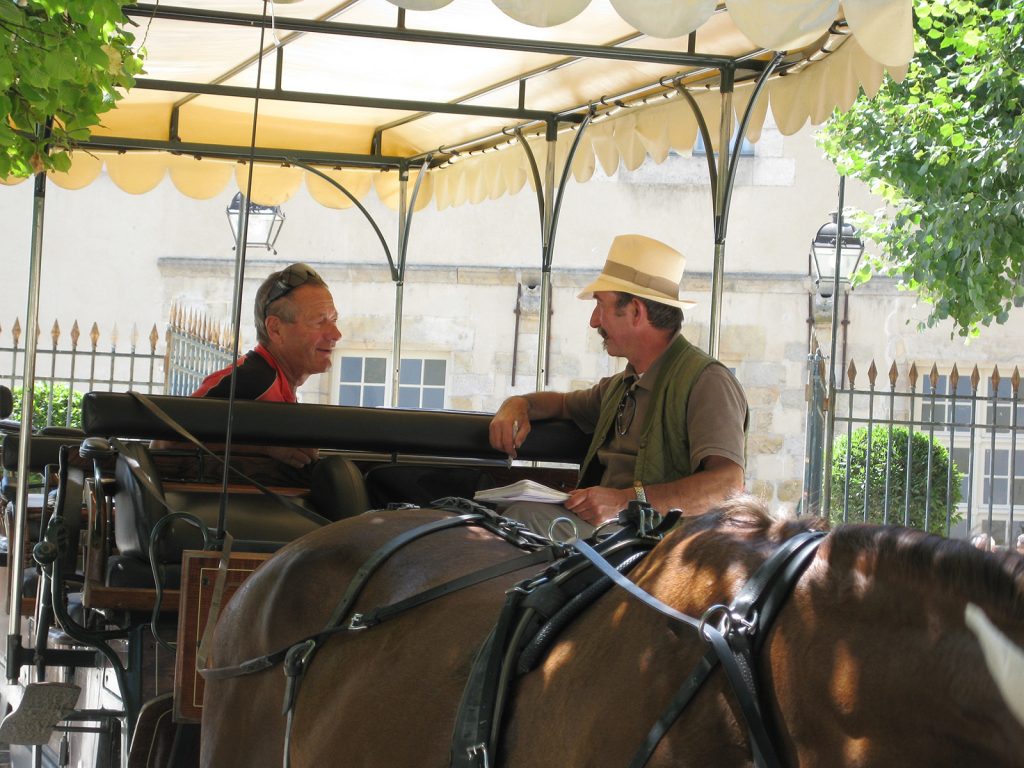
(718,479)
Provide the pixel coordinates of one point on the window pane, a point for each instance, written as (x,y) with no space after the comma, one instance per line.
(376,370)
(962,459)
(373,397)
(351,369)
(411,372)
(433,373)
(1001,463)
(433,398)
(349,394)
(408,397)
(1018,492)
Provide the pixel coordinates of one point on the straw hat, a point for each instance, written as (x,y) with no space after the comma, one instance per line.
(643,267)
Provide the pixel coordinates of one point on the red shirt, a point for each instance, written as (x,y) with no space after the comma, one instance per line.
(259,377)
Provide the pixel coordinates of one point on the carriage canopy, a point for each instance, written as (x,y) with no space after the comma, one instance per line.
(363,90)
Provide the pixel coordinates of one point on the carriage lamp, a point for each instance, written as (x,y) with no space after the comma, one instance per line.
(264,223)
(823,250)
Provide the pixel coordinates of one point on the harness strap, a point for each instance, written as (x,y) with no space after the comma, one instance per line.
(378,615)
(769,586)
(355,587)
(621,581)
(675,708)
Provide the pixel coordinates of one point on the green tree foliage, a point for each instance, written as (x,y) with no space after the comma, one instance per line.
(59,59)
(945,148)
(41,405)
(920,500)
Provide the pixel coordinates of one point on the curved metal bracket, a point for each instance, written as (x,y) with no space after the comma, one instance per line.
(366,214)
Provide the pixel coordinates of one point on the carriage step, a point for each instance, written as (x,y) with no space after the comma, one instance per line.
(42,706)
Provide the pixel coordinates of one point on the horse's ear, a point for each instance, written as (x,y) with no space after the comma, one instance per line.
(1004,658)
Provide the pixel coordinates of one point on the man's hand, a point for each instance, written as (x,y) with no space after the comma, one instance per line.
(510,425)
(596,504)
(293,457)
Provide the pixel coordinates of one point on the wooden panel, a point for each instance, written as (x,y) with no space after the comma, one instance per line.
(199,575)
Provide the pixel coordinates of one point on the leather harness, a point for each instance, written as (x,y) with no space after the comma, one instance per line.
(537,608)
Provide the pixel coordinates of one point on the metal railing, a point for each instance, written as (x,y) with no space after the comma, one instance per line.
(940,452)
(193,347)
(69,366)
(197,346)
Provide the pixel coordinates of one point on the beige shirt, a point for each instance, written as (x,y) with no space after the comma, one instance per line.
(716,418)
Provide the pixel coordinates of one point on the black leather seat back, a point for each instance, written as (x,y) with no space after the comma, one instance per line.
(137,510)
(70,488)
(251,518)
(338,489)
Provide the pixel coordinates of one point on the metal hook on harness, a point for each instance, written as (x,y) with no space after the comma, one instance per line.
(295,662)
(479,751)
(730,622)
(568,521)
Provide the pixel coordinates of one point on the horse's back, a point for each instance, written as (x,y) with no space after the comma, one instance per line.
(406,673)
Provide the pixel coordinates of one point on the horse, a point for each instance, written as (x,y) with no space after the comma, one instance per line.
(868,662)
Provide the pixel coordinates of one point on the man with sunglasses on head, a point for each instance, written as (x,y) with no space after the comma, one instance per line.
(669,430)
(296,330)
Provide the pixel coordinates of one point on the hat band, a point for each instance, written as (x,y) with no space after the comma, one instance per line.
(657,284)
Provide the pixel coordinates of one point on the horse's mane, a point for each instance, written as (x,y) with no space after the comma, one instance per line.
(942,565)
(750,515)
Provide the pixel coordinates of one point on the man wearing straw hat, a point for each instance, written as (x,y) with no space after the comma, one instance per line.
(669,430)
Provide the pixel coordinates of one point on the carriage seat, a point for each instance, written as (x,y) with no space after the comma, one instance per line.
(256,522)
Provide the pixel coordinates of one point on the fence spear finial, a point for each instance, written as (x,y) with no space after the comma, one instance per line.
(872,374)
(954,379)
(1015,380)
(975,379)
(76,334)
(912,376)
(55,333)
(16,331)
(153,337)
(94,335)
(933,377)
(995,378)
(851,373)
(894,375)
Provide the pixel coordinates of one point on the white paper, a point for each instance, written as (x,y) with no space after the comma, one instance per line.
(522,490)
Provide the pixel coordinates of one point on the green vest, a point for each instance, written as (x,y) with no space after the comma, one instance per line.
(664,453)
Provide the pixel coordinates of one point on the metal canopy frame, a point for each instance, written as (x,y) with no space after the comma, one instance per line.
(695,70)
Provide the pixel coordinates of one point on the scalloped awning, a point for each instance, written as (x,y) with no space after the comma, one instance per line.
(336,80)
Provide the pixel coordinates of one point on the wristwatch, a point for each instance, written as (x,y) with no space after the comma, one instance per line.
(641,494)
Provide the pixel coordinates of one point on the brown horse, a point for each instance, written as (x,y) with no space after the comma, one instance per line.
(868,664)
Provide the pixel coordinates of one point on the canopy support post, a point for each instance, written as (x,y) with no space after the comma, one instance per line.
(398,273)
(721,213)
(16,547)
(723,178)
(406,208)
(547,251)
(549,204)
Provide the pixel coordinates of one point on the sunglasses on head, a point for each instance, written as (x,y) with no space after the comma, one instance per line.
(286,282)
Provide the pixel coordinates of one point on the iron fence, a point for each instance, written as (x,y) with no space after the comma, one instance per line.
(939,451)
(197,346)
(69,365)
(192,347)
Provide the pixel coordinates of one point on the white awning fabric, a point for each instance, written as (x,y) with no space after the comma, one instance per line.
(830,53)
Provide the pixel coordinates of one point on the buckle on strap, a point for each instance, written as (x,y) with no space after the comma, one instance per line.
(479,752)
(730,623)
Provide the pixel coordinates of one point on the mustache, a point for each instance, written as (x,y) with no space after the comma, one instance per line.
(602,333)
